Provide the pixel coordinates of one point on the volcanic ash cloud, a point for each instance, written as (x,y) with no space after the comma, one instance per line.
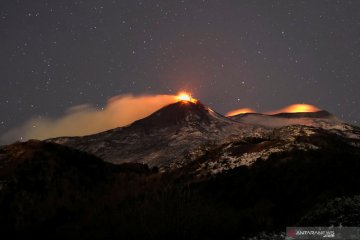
(85,119)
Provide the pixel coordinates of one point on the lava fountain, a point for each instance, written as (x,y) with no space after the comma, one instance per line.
(186,97)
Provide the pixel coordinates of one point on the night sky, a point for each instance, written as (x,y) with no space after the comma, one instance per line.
(229,54)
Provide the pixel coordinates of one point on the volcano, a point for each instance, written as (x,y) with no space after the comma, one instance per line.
(187,172)
(181,113)
(182,130)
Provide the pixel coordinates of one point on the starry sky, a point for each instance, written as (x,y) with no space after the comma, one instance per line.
(228,53)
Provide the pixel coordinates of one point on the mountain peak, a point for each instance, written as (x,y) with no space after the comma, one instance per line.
(176,114)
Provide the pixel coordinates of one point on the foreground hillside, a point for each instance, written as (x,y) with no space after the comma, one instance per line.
(57,192)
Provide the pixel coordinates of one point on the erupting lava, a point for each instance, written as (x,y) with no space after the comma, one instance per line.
(184,96)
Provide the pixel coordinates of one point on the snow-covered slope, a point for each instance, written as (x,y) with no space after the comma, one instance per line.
(168,138)
(245,151)
(184,132)
(321,119)
(316,119)
(289,132)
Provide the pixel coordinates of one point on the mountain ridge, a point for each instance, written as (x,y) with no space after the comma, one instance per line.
(184,171)
(181,130)
(185,130)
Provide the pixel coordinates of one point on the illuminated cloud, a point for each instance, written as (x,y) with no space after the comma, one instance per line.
(294,108)
(239,111)
(85,119)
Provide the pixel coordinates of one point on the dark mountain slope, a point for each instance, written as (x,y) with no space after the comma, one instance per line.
(45,186)
(62,193)
(270,195)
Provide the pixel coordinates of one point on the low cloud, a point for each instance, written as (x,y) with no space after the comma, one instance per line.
(239,111)
(294,108)
(85,119)
(299,107)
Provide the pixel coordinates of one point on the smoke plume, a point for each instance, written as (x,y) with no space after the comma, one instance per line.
(85,119)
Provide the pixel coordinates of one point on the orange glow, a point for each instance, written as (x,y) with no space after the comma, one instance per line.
(295,108)
(239,111)
(184,96)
